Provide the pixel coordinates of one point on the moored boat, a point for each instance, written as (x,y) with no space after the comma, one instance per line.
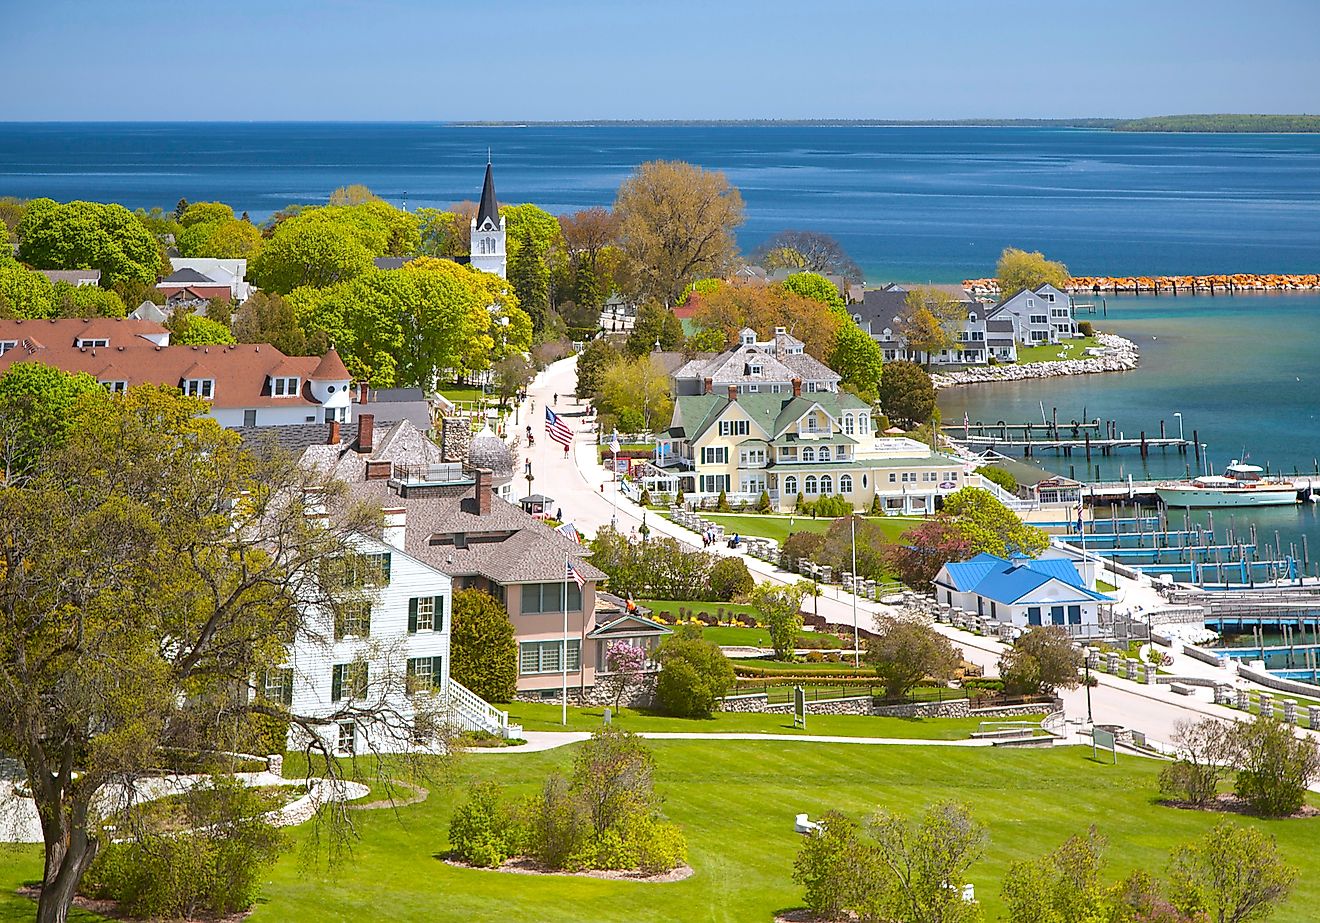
(1239,485)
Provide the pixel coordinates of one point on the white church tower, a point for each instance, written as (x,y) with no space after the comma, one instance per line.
(488,253)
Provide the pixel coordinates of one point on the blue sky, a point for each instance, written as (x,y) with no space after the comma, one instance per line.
(569,59)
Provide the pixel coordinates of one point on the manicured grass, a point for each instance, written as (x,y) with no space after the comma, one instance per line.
(544,716)
(1105,587)
(673,605)
(1068,349)
(759,637)
(463,393)
(787,667)
(735,802)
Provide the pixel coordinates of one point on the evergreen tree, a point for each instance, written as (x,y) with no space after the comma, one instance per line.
(530,279)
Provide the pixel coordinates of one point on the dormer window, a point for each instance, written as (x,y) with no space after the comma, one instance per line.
(284,387)
(115,387)
(199,387)
(7,345)
(92,343)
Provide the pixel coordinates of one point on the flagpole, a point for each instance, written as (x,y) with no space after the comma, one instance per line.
(614,477)
(563,661)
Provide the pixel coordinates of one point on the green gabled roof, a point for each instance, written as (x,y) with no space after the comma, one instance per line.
(774,412)
(696,411)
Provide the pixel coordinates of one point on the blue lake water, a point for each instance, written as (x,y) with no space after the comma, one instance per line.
(915,204)
(911,204)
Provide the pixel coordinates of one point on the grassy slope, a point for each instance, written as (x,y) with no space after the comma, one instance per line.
(1068,349)
(778,527)
(736,802)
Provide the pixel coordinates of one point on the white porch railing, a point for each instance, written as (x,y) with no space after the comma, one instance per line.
(473,713)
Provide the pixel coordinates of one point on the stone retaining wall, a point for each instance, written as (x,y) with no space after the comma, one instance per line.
(1122,357)
(864,705)
(638,695)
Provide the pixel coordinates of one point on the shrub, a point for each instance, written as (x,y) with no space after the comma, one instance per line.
(555,824)
(1086,328)
(730,579)
(905,652)
(183,874)
(799,545)
(694,674)
(1206,749)
(826,866)
(828,507)
(1040,661)
(483,831)
(645,498)
(1274,766)
(722,504)
(763,502)
(484,655)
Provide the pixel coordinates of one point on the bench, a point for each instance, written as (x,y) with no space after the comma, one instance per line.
(1182,688)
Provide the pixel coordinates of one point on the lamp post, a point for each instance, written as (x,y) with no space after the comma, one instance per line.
(1089,719)
(857,652)
(527,473)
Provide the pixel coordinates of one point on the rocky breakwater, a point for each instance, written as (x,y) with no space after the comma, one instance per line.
(1120,355)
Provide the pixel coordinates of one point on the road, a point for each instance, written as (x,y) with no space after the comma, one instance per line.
(582,489)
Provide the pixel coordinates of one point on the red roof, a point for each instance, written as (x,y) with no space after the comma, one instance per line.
(241,373)
(69,329)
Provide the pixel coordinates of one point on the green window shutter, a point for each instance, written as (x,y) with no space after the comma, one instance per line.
(412,666)
(412,616)
(437,665)
(287,687)
(385,567)
(337,682)
(438,605)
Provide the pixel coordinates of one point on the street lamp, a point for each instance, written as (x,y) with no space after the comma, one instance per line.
(527,473)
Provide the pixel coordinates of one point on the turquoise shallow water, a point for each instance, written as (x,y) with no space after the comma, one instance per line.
(1243,370)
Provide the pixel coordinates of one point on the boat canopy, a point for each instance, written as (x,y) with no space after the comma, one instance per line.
(1245,469)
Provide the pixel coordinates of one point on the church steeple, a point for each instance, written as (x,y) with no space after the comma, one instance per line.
(488,213)
(488,248)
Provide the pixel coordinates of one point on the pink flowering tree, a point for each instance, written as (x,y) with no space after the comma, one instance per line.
(625,663)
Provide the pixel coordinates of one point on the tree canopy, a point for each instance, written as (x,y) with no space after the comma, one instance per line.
(231,238)
(324,246)
(933,320)
(808,251)
(89,235)
(147,631)
(483,653)
(1018,270)
(400,327)
(730,307)
(990,526)
(858,358)
(815,286)
(676,221)
(906,393)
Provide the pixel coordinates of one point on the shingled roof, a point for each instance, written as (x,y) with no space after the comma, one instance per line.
(489,209)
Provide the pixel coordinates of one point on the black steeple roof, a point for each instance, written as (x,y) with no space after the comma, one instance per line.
(489,208)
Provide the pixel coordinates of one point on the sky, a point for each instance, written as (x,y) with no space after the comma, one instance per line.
(440,60)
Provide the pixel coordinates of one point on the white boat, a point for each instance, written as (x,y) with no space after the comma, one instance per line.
(1239,485)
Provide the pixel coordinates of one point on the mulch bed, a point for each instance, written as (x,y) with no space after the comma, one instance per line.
(108,908)
(1226,803)
(524,866)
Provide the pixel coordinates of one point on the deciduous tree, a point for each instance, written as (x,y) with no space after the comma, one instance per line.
(933,320)
(355,194)
(1233,874)
(676,221)
(694,674)
(512,373)
(654,324)
(636,396)
(228,239)
(595,358)
(731,307)
(1206,750)
(923,865)
(269,318)
(780,608)
(921,551)
(187,329)
(1019,269)
(1041,660)
(990,526)
(907,395)
(194,562)
(858,359)
(810,251)
(89,235)
(36,414)
(816,287)
(1274,766)
(904,652)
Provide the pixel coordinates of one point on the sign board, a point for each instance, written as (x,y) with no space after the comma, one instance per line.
(947,485)
(799,707)
(1100,738)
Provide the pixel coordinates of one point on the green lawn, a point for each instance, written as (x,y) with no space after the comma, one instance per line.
(464,393)
(759,637)
(544,716)
(779,666)
(735,801)
(1068,349)
(1105,587)
(673,605)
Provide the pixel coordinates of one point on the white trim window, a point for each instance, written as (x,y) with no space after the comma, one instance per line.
(733,428)
(346,738)
(426,613)
(845,484)
(715,455)
(848,424)
(543,656)
(199,387)
(115,387)
(93,343)
(284,387)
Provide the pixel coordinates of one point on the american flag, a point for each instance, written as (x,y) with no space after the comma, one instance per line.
(557,429)
(572,572)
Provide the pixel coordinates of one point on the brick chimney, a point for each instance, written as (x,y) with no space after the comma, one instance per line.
(707,386)
(379,470)
(797,387)
(332,438)
(483,491)
(733,392)
(363,392)
(366,438)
